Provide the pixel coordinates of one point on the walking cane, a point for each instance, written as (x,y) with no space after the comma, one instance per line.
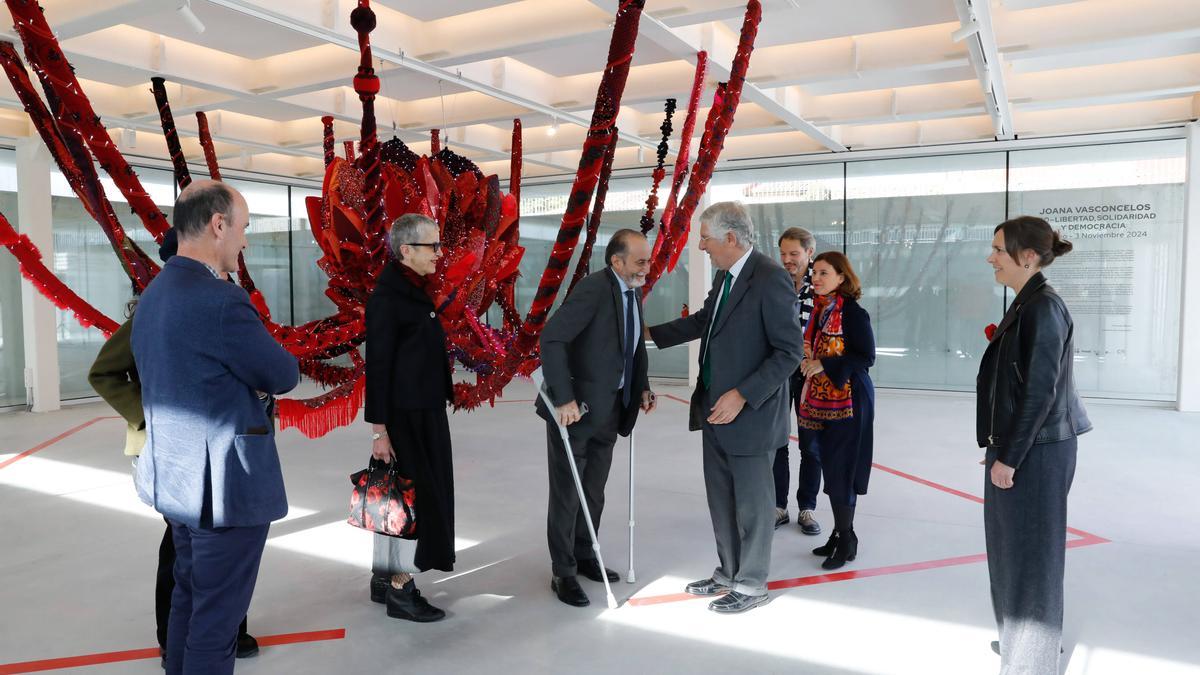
(539,380)
(629,575)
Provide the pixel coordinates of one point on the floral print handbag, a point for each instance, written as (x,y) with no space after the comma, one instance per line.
(383,501)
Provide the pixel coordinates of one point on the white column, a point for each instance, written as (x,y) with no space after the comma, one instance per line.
(1189,320)
(699,282)
(37,313)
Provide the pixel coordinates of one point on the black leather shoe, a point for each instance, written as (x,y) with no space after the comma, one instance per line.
(827,550)
(847,550)
(735,602)
(569,591)
(591,570)
(379,586)
(247,646)
(406,603)
(706,587)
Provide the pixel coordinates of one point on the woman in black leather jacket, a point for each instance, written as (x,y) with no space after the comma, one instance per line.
(1028,417)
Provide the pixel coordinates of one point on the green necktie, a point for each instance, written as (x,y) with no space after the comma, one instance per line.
(706,365)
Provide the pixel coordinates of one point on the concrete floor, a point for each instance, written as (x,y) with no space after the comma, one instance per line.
(78,556)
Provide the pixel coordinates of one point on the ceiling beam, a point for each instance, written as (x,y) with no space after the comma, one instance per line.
(976,19)
(685,44)
(416,65)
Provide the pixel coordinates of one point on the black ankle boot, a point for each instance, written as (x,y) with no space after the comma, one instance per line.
(406,603)
(827,550)
(846,550)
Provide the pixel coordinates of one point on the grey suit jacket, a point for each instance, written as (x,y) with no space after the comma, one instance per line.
(583,354)
(755,347)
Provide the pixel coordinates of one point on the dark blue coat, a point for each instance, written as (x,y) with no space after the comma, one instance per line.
(203,354)
(847,447)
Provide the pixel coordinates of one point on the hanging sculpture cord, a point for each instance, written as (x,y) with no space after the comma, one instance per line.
(659,259)
(327,138)
(479,223)
(660,171)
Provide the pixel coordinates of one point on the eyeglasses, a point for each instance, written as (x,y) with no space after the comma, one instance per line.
(436,246)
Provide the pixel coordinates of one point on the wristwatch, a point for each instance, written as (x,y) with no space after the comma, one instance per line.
(378,435)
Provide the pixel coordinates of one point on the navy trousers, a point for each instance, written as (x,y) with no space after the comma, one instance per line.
(215,571)
(809,479)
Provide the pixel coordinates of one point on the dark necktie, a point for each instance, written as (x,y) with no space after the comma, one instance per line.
(630,345)
(706,365)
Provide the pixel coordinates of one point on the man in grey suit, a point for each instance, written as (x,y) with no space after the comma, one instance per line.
(210,467)
(594,362)
(750,344)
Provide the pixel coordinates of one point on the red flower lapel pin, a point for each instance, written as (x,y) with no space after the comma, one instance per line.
(989,331)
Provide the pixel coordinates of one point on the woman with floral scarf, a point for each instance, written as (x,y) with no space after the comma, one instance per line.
(837,405)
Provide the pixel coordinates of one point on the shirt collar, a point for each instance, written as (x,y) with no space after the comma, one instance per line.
(735,269)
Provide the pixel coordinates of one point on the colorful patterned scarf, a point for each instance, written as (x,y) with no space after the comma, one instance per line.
(823,401)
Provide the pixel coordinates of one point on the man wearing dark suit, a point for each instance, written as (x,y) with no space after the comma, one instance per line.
(750,344)
(594,362)
(209,465)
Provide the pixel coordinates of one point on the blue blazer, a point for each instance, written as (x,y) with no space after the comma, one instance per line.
(203,354)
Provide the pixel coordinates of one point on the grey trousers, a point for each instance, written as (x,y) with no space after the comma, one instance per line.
(1026,529)
(566,530)
(392,555)
(741,503)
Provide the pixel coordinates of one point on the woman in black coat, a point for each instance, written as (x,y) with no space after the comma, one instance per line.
(408,387)
(836,407)
(1028,417)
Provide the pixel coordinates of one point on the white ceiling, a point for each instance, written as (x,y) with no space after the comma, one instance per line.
(825,76)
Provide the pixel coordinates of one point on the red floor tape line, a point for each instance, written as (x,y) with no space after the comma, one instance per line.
(1084,539)
(152,653)
(45,444)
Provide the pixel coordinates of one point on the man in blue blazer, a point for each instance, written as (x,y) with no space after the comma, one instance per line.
(207,365)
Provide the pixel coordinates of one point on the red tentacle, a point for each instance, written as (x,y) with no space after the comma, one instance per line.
(182,176)
(206,142)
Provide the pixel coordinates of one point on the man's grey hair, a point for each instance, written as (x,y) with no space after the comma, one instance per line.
(407,230)
(732,217)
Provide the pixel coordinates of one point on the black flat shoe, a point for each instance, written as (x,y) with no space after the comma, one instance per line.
(406,603)
(569,591)
(247,646)
(827,550)
(591,570)
(379,586)
(846,550)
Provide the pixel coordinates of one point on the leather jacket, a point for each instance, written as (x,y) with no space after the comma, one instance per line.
(1025,391)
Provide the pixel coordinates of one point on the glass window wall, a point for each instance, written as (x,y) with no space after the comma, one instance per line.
(12,338)
(1121,206)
